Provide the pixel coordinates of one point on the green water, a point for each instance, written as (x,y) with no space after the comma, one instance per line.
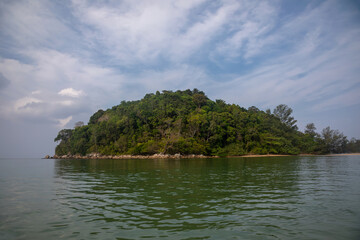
(234,198)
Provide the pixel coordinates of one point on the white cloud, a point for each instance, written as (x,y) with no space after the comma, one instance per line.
(35,24)
(66,103)
(36,92)
(201,32)
(249,26)
(347,98)
(70,92)
(288,79)
(26,104)
(147,31)
(62,122)
(312,66)
(33,91)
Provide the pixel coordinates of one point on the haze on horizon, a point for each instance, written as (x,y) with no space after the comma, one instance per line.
(61,61)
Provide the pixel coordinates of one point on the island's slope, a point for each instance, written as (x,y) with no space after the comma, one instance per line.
(185,122)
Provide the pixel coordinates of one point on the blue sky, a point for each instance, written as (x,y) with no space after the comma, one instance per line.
(60,61)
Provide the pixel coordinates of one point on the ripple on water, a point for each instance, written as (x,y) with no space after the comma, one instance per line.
(268,198)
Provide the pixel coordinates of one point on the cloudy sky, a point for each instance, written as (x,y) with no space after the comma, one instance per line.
(62,60)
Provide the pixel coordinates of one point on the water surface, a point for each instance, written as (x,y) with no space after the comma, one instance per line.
(227,198)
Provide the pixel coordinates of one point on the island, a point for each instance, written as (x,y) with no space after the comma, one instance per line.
(187,124)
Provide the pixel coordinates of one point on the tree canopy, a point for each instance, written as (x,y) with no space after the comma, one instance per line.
(188,122)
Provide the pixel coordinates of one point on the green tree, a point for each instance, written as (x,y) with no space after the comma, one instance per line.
(310,129)
(283,112)
(199,99)
(64,147)
(353,146)
(79,124)
(188,122)
(333,141)
(95,117)
(64,135)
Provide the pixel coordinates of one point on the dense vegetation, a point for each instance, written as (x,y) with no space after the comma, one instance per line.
(188,122)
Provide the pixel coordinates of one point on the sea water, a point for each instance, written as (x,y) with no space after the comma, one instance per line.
(312,197)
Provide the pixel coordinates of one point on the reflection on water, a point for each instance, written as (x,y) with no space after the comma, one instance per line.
(262,198)
(230,198)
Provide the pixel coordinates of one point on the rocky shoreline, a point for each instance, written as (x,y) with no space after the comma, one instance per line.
(154,156)
(175,156)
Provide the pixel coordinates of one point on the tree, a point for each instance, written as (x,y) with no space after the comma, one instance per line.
(353,146)
(79,124)
(333,141)
(188,122)
(253,109)
(283,112)
(199,99)
(95,117)
(310,129)
(64,135)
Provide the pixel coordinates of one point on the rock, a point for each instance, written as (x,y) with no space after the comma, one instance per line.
(47,157)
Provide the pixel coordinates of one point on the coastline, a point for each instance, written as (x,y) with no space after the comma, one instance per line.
(264,155)
(343,154)
(154,156)
(300,155)
(179,156)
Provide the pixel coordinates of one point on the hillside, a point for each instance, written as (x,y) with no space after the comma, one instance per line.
(188,122)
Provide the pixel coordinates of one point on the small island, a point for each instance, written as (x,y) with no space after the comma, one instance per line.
(187,124)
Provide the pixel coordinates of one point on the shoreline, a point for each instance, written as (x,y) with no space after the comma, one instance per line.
(343,154)
(179,156)
(264,155)
(154,156)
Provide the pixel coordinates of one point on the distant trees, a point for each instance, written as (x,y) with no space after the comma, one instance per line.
(333,141)
(353,146)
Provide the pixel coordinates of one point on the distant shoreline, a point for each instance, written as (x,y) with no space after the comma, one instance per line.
(300,155)
(179,156)
(343,154)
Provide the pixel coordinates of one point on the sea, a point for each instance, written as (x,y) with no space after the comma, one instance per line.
(296,197)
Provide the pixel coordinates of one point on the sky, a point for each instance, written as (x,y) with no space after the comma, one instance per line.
(62,60)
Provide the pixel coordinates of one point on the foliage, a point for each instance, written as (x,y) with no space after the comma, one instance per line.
(283,112)
(333,141)
(310,129)
(79,124)
(353,146)
(188,122)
